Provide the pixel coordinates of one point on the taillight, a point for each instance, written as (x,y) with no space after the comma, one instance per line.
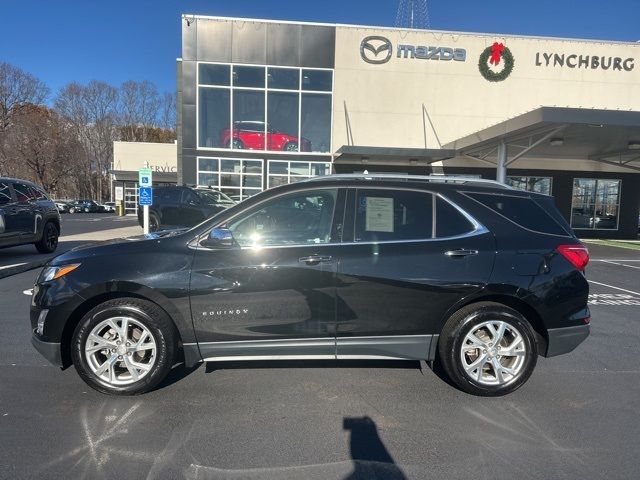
(578,255)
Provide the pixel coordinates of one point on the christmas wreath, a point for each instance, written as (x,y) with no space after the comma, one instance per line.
(494,55)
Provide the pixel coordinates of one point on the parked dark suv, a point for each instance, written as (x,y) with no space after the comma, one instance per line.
(86,206)
(181,206)
(27,215)
(471,273)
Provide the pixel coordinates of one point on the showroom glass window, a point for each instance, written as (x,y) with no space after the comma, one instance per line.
(282,172)
(531,184)
(278,109)
(595,204)
(237,178)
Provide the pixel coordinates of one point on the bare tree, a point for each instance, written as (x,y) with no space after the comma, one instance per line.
(139,109)
(44,148)
(92,110)
(168,111)
(17,90)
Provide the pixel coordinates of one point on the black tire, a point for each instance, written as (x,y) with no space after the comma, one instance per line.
(290,147)
(462,323)
(72,210)
(154,222)
(86,210)
(153,318)
(49,240)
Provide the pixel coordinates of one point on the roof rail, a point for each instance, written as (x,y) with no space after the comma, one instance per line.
(399,176)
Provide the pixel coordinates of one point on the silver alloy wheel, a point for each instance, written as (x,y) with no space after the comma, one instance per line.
(120,350)
(493,353)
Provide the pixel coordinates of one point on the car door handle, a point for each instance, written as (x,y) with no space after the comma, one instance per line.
(315,259)
(461,252)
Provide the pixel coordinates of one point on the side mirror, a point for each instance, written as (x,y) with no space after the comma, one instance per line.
(219,238)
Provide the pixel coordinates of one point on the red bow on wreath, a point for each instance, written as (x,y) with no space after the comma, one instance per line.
(496,53)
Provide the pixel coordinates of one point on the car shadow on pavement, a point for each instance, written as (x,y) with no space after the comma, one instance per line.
(176,374)
(252,364)
(438,369)
(371,459)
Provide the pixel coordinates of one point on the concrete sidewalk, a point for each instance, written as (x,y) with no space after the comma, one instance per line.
(101,235)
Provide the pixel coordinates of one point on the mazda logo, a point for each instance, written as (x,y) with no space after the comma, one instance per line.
(376,49)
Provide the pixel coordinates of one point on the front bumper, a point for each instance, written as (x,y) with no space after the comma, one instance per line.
(50,351)
(565,340)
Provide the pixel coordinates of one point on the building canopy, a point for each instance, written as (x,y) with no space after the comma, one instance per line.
(607,136)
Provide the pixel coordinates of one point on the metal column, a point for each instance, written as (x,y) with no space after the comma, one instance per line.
(501,169)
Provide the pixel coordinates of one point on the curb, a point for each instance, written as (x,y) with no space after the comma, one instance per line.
(8,272)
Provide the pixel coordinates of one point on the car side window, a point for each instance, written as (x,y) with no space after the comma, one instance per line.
(449,221)
(39,194)
(168,195)
(5,194)
(392,215)
(23,192)
(303,218)
(190,198)
(523,211)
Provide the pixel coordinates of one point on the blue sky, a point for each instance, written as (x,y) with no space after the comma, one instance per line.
(118,40)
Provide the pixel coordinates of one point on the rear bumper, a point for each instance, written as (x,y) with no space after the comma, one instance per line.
(50,351)
(565,340)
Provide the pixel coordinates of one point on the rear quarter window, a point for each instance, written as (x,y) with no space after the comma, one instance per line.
(449,221)
(523,211)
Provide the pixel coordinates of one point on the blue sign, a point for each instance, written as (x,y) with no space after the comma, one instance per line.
(146,196)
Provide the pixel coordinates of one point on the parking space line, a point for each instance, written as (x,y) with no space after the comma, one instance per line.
(615,288)
(14,265)
(610,262)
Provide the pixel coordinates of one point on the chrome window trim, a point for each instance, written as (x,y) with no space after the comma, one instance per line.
(479,229)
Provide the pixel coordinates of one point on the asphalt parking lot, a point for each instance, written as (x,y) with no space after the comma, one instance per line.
(577,417)
(76,229)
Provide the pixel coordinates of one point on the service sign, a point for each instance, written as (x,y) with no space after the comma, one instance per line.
(119,194)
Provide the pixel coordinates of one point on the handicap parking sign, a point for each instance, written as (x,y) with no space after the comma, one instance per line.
(146,196)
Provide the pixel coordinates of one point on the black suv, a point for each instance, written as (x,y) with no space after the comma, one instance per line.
(27,216)
(470,273)
(181,206)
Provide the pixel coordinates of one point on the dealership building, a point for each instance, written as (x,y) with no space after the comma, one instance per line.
(263,103)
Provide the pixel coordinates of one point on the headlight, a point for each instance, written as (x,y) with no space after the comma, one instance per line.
(53,273)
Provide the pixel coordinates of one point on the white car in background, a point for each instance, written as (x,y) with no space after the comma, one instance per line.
(109,207)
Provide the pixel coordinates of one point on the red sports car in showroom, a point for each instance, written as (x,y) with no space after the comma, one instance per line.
(250,136)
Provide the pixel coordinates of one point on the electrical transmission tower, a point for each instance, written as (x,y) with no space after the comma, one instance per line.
(413,14)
